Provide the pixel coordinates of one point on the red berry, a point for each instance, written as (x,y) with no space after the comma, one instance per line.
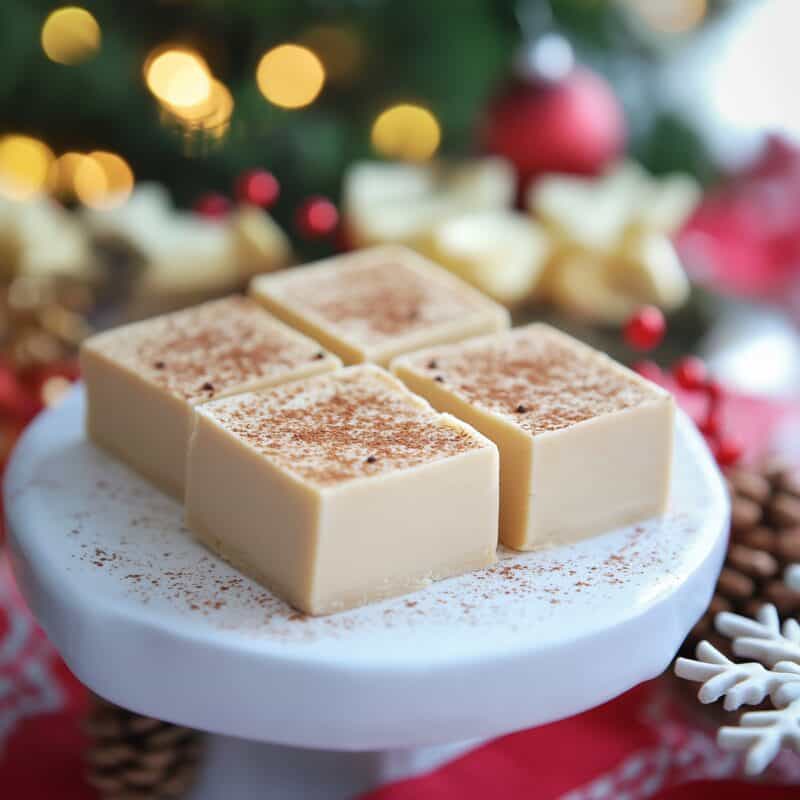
(727,452)
(645,329)
(258,188)
(715,391)
(690,373)
(317,217)
(212,205)
(649,370)
(710,425)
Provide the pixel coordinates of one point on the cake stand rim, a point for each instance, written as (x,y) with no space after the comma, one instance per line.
(71,605)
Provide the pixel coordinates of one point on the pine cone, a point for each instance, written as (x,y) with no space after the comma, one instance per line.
(765,538)
(131,757)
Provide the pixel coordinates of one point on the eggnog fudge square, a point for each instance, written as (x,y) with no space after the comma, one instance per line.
(374,304)
(585,444)
(143,380)
(341,489)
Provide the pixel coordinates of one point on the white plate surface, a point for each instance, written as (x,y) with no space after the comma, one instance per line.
(151,620)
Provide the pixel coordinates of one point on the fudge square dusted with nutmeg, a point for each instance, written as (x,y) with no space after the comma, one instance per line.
(374,304)
(341,489)
(585,444)
(144,379)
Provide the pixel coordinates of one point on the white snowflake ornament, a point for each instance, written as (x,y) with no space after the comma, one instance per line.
(792,577)
(774,673)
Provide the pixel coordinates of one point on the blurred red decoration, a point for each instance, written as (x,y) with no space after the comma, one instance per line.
(727,451)
(257,187)
(690,373)
(715,391)
(690,381)
(317,217)
(15,401)
(744,238)
(212,205)
(709,426)
(649,370)
(573,125)
(645,329)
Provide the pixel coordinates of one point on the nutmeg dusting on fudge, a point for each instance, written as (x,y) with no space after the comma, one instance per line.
(559,380)
(212,347)
(343,425)
(374,301)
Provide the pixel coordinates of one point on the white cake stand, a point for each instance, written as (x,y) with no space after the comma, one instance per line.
(150,620)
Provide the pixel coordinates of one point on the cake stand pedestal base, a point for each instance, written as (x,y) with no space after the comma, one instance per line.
(238,769)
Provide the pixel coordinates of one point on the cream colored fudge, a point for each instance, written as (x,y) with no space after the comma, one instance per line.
(375,304)
(143,380)
(341,489)
(585,444)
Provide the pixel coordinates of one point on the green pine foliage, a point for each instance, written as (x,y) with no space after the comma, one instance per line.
(445,54)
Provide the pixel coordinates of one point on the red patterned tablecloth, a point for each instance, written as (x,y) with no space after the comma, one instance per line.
(649,743)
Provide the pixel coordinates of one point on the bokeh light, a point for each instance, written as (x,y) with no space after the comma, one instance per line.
(103,180)
(178,77)
(340,49)
(90,184)
(290,76)
(673,17)
(62,174)
(70,35)
(212,115)
(25,165)
(406,132)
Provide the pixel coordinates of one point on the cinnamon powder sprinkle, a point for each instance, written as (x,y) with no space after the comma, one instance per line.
(560,380)
(354,423)
(372,297)
(218,346)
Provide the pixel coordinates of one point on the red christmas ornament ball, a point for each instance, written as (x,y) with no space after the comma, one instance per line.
(212,205)
(317,217)
(257,187)
(574,125)
(690,373)
(645,329)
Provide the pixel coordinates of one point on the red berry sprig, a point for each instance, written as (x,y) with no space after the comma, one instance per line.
(212,205)
(317,217)
(645,329)
(691,374)
(257,187)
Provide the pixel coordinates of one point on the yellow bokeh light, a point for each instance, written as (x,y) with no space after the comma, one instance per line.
(340,49)
(290,76)
(90,182)
(406,132)
(102,180)
(25,165)
(213,114)
(178,77)
(674,17)
(62,173)
(70,35)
